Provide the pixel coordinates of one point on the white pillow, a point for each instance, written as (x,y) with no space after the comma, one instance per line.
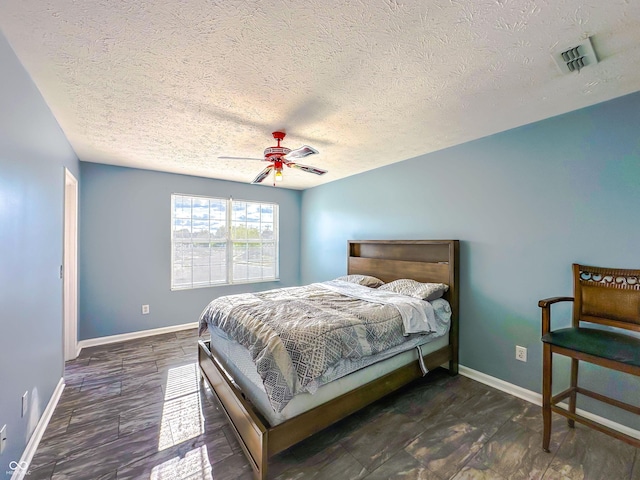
(412,288)
(366,280)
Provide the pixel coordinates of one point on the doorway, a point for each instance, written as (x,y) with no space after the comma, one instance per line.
(70,267)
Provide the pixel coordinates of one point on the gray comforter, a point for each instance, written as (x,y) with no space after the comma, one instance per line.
(295,334)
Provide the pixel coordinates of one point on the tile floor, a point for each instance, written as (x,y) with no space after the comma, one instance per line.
(135,410)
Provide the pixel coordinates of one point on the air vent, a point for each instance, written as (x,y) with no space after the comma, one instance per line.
(576,57)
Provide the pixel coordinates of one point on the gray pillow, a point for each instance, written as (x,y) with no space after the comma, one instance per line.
(366,280)
(424,291)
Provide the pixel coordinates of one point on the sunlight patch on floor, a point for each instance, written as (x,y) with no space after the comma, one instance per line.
(182,416)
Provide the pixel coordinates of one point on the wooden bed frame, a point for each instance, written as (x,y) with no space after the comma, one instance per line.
(422,260)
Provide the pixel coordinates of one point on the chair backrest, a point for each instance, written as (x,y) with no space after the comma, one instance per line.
(606,296)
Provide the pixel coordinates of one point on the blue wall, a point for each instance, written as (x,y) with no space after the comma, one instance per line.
(525,204)
(125,247)
(33,154)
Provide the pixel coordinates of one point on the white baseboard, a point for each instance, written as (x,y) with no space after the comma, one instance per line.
(36,436)
(536,398)
(501,385)
(94,342)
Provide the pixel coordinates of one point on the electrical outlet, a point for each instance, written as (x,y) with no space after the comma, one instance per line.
(145,309)
(521,353)
(25,403)
(3,438)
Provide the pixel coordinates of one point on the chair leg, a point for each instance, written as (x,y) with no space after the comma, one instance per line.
(574,385)
(547,368)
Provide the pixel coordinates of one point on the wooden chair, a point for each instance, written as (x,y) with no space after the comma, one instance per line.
(602,296)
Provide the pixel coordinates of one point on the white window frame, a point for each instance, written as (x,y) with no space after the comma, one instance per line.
(229,240)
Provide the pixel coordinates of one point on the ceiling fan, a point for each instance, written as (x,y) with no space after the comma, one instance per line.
(279,157)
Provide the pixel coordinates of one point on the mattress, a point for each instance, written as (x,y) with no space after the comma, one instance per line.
(237,361)
(296,335)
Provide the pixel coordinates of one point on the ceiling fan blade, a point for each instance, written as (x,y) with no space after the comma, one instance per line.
(263,174)
(240,158)
(301,152)
(307,168)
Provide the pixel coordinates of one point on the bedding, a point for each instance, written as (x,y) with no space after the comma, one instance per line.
(295,335)
(237,361)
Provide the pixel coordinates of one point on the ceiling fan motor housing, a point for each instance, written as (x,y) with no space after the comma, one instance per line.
(275,152)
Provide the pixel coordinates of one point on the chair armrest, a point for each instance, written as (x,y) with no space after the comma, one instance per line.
(550,301)
(545,304)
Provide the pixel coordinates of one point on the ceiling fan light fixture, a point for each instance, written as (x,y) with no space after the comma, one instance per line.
(278,175)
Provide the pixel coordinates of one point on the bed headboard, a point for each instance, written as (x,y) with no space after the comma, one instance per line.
(422,260)
(434,261)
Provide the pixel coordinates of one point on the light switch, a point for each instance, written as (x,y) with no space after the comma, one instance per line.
(25,403)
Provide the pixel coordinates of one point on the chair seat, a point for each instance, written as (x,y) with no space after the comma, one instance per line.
(600,343)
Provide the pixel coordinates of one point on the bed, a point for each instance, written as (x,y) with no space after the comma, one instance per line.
(262,435)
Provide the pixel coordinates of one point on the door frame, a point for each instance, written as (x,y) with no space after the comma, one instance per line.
(70,267)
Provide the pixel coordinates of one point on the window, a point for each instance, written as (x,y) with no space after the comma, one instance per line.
(219,241)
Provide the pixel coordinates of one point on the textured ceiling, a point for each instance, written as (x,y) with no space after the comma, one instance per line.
(171,85)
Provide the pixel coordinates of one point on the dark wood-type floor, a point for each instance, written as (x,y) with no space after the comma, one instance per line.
(135,410)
